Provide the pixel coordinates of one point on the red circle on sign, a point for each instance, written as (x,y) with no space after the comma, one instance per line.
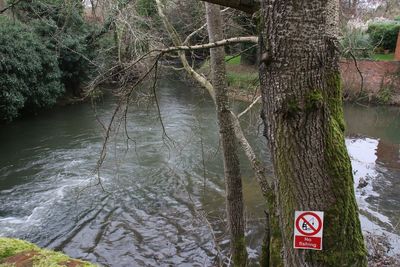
(315,231)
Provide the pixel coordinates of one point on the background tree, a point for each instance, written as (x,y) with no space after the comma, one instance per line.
(233,179)
(230,124)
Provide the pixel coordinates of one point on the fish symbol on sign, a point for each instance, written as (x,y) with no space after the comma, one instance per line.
(305,227)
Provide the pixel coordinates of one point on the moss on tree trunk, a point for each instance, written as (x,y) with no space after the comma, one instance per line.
(303,116)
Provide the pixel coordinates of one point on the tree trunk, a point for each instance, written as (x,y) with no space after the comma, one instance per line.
(304,124)
(233,180)
(248,6)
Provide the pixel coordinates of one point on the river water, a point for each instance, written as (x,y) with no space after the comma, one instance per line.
(162,195)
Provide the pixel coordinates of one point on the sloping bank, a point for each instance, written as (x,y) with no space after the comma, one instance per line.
(18,253)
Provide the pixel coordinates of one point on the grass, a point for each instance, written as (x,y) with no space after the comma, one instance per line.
(242,80)
(383,57)
(239,77)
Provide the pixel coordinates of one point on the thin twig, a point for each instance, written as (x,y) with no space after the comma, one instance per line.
(240,53)
(358,70)
(10,6)
(156,100)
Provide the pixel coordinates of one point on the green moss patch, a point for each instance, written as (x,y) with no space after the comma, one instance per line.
(14,252)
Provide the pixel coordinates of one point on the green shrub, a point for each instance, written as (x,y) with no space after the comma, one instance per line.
(357,42)
(384,34)
(384,95)
(61,26)
(29,73)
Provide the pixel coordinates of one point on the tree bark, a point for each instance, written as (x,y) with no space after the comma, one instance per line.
(233,179)
(248,6)
(304,124)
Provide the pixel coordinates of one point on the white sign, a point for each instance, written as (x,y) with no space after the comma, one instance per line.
(308,229)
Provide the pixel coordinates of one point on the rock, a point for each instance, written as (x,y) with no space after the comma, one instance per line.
(362,183)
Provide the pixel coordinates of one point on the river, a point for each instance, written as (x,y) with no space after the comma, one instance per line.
(162,194)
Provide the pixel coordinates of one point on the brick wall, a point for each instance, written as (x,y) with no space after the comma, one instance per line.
(376,75)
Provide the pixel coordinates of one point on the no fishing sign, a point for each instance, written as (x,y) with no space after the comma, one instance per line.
(308,228)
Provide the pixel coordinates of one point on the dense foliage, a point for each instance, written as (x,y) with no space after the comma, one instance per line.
(46,46)
(384,34)
(62,27)
(146,7)
(30,77)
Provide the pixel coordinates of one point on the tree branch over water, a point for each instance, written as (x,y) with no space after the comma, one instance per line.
(234,40)
(157,53)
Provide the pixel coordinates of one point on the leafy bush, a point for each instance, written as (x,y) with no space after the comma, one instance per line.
(384,95)
(30,77)
(356,41)
(61,26)
(384,34)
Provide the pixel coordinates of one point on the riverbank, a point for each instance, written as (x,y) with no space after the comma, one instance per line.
(19,253)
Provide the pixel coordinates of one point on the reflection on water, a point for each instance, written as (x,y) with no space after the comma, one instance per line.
(374,146)
(381,123)
(158,192)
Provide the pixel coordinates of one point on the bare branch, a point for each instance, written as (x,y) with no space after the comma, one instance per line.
(187,39)
(257,166)
(177,42)
(358,70)
(10,6)
(259,170)
(234,40)
(194,33)
(249,107)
